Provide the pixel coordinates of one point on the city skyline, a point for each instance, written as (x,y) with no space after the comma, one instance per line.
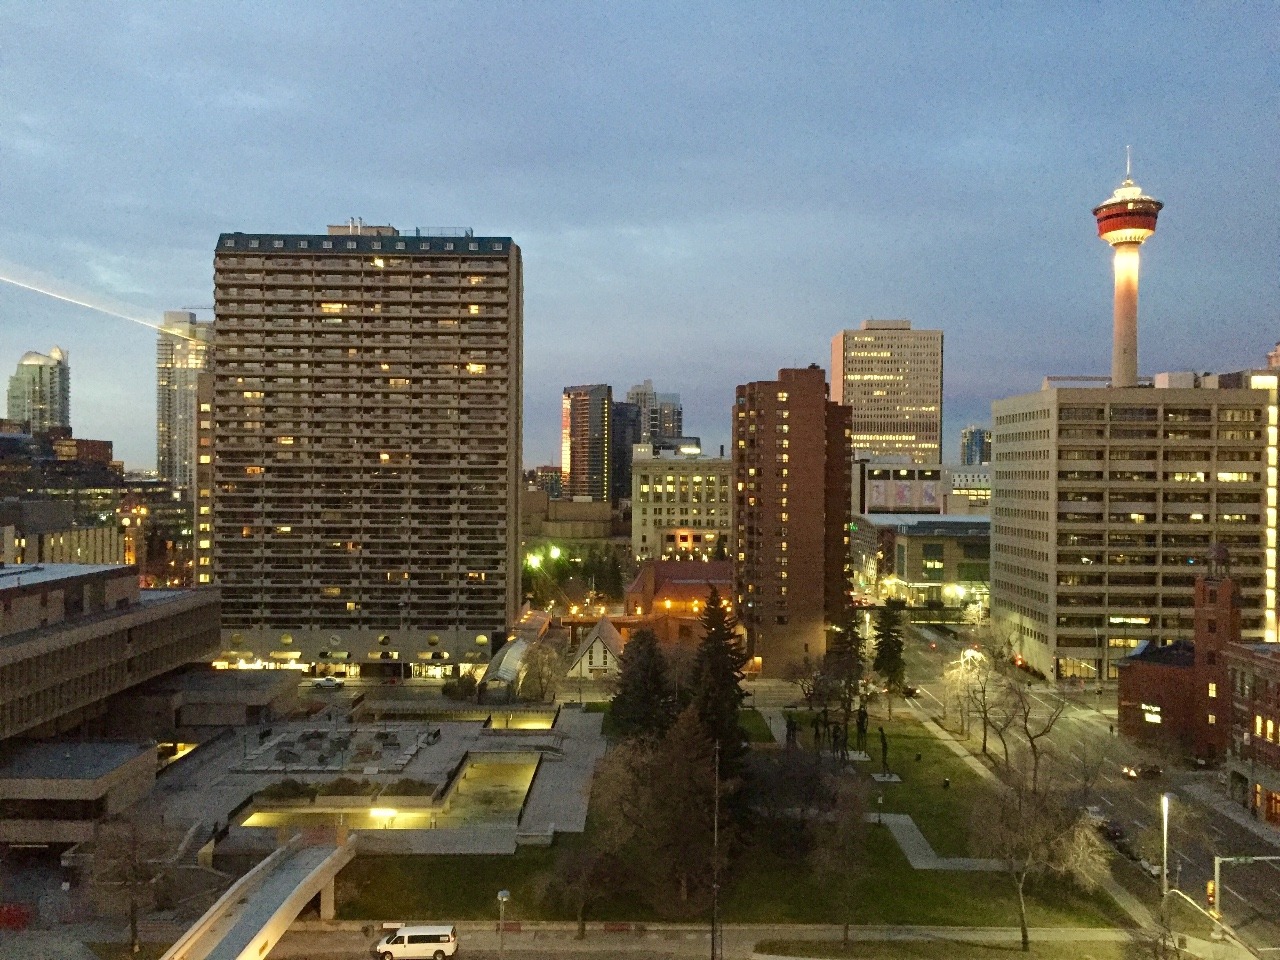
(765,207)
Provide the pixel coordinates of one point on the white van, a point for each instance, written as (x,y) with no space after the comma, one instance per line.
(418,943)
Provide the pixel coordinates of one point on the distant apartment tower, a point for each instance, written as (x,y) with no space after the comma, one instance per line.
(1106,503)
(975,446)
(182,357)
(791,515)
(366,443)
(40,391)
(890,377)
(661,415)
(586,442)
(681,505)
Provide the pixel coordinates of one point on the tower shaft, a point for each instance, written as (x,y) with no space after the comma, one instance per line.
(1124,334)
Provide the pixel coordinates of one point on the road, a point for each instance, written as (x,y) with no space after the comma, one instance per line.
(1250,898)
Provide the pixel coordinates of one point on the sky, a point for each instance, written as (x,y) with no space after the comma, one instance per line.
(704,193)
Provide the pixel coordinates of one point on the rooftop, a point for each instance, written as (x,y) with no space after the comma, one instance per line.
(933,524)
(29,574)
(309,243)
(67,759)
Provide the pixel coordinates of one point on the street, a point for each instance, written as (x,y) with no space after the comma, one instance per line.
(1250,898)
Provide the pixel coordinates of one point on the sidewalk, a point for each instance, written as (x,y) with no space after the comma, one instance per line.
(1210,797)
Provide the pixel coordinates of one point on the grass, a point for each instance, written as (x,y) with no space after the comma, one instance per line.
(120,951)
(755,727)
(942,814)
(949,950)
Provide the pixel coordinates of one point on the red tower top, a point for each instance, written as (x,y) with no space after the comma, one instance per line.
(1129,216)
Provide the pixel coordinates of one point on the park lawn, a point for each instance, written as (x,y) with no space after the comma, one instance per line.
(882,888)
(755,726)
(949,950)
(943,815)
(120,951)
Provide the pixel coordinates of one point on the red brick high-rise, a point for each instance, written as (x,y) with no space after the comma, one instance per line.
(792,475)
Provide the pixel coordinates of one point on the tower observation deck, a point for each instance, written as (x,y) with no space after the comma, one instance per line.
(1125,221)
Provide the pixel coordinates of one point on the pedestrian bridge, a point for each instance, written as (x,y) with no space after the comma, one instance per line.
(254,914)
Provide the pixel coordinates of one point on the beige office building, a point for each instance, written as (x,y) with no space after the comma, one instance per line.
(890,377)
(681,505)
(366,447)
(1106,504)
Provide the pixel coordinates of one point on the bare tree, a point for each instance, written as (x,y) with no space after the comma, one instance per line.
(544,667)
(808,678)
(1033,725)
(1034,831)
(839,839)
(132,854)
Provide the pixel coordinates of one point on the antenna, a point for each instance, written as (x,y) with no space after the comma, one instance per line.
(1128,163)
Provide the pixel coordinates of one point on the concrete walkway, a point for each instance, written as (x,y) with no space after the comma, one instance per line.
(919,852)
(1127,902)
(314,940)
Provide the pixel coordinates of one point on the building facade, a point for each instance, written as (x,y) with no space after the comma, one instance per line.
(975,446)
(182,357)
(1253,765)
(586,441)
(661,414)
(624,433)
(890,377)
(792,512)
(40,391)
(366,430)
(1105,501)
(681,505)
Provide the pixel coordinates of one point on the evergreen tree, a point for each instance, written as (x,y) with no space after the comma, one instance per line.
(642,707)
(717,686)
(889,661)
(843,665)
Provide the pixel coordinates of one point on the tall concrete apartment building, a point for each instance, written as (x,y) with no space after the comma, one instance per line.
(40,391)
(182,357)
(1106,503)
(366,444)
(681,505)
(792,513)
(890,377)
(586,441)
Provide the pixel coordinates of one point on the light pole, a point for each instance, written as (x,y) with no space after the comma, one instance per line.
(503,897)
(1164,844)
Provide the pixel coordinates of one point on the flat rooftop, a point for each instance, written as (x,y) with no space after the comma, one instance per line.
(928,524)
(29,574)
(220,681)
(67,759)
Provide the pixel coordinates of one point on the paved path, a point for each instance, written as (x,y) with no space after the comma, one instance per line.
(917,849)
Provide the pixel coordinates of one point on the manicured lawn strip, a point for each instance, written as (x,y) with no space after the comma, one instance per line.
(943,815)
(885,890)
(120,951)
(946,950)
(755,727)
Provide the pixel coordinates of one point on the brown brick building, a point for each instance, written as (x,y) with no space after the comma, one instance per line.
(792,479)
(1177,694)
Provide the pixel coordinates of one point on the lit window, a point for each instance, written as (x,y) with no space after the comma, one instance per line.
(474,309)
(1213,690)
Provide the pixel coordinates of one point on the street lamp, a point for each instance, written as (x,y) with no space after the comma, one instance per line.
(1164,844)
(503,897)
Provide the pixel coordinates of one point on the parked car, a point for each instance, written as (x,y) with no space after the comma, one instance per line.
(328,683)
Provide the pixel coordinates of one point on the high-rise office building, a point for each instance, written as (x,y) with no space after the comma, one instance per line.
(182,356)
(586,441)
(1106,503)
(367,435)
(624,434)
(40,391)
(681,505)
(791,515)
(975,446)
(661,415)
(890,377)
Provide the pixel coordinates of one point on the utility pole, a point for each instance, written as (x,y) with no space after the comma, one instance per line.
(717,945)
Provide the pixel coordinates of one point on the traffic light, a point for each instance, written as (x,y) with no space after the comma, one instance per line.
(1211,893)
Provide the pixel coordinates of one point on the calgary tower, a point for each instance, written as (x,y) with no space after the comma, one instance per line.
(1125,221)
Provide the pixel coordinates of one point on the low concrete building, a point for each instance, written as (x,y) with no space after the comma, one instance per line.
(53,792)
(193,704)
(936,560)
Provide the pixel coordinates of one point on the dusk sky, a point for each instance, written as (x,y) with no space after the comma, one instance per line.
(703,192)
